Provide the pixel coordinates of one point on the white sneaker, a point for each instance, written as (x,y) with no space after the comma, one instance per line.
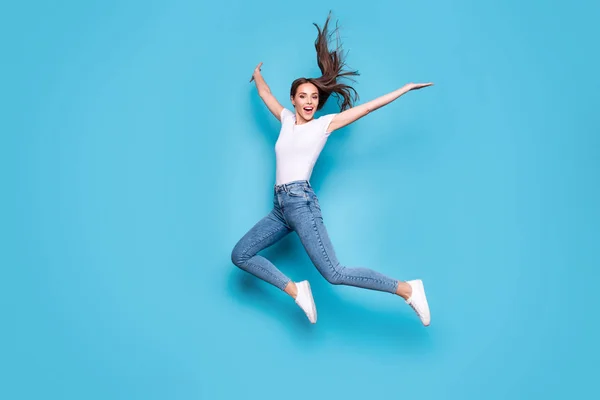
(418,301)
(305,300)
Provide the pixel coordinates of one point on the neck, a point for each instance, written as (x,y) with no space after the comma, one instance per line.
(300,120)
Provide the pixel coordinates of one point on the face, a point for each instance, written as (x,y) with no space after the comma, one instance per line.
(306,100)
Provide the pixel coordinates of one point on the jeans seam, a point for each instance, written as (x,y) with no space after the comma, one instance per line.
(245,252)
(329,260)
(267,235)
(314,223)
(275,278)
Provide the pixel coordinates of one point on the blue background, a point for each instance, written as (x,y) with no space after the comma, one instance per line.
(134,155)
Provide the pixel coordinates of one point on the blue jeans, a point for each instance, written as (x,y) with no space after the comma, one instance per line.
(296,208)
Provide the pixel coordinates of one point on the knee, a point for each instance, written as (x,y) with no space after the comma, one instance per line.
(335,275)
(238,256)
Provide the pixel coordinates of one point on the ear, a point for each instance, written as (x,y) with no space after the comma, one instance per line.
(292,100)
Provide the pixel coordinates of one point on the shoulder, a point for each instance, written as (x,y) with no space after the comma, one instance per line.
(285,114)
(324,122)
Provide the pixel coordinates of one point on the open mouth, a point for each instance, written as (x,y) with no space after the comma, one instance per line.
(308,109)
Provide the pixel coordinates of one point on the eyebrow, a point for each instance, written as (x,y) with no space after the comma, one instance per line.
(311,93)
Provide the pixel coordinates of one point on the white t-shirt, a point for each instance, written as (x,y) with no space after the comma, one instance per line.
(299,146)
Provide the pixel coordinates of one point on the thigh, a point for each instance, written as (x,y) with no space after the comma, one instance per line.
(311,230)
(266,232)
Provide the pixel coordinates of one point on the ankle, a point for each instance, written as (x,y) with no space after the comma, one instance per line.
(404,290)
(291,289)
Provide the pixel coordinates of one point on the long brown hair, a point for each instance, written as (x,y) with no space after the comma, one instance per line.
(331,63)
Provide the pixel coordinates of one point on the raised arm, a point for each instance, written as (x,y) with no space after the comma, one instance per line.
(265,93)
(349,116)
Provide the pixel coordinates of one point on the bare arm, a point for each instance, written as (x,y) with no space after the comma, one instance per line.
(265,93)
(349,116)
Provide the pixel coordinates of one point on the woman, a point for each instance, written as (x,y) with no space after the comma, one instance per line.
(295,204)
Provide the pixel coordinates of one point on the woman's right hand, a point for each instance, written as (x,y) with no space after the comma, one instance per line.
(256,71)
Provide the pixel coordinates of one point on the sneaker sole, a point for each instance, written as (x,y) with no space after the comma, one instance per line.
(312,301)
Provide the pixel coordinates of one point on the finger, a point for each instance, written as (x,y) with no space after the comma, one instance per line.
(422,85)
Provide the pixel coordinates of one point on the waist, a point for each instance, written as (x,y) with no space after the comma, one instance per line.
(284,187)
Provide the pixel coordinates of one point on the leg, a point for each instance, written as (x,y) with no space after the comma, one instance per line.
(308,223)
(306,220)
(265,233)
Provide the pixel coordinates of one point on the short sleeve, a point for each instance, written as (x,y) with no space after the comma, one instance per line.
(285,114)
(325,122)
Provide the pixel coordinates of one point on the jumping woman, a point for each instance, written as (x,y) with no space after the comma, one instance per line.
(295,204)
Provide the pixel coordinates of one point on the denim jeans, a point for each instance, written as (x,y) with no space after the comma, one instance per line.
(296,208)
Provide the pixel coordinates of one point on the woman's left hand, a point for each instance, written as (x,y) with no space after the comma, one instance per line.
(416,86)
(256,71)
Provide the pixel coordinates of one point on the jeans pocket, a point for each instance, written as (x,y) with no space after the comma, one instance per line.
(297,192)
